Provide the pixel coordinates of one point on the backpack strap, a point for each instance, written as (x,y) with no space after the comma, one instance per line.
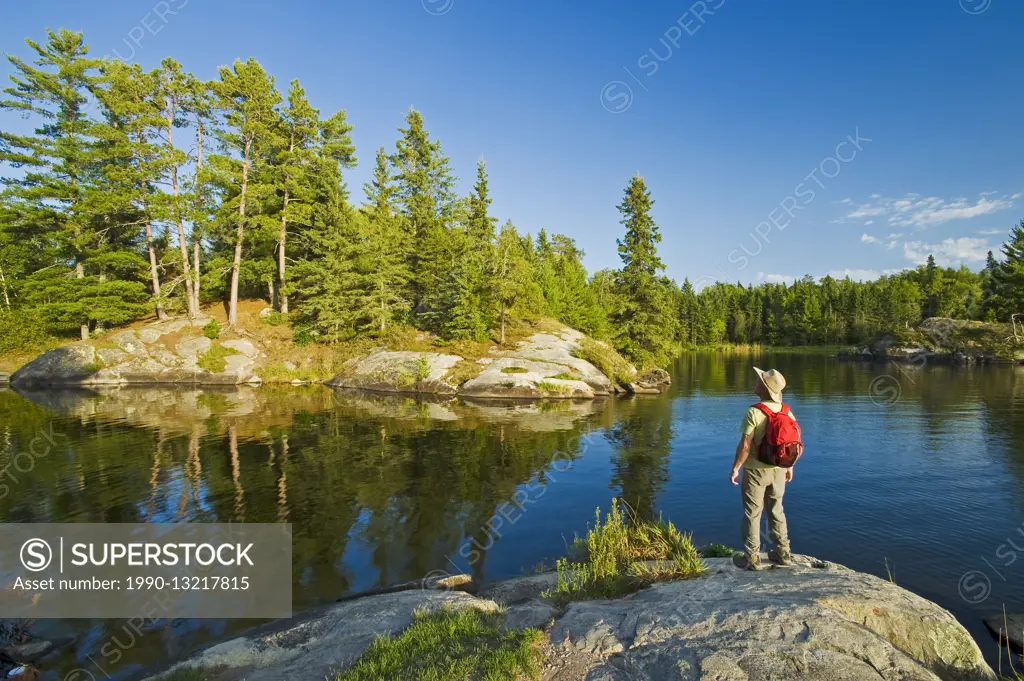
(785,410)
(762,407)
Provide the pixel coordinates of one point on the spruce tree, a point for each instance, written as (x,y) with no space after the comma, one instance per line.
(1012,272)
(481,234)
(516,292)
(383,254)
(426,199)
(992,302)
(578,301)
(325,273)
(640,326)
(300,124)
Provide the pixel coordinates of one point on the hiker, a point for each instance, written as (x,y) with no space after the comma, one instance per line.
(768,448)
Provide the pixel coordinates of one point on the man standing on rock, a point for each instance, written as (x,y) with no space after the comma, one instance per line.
(764,483)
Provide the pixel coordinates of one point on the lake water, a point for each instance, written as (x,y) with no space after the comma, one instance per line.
(920,469)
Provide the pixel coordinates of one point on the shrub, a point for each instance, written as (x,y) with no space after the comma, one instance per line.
(23,333)
(422,368)
(212,329)
(304,335)
(610,561)
(717,551)
(274,318)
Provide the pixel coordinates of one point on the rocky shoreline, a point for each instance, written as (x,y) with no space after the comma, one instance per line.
(940,340)
(547,365)
(816,621)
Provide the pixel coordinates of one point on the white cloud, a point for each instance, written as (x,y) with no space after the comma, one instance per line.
(868,239)
(894,235)
(919,212)
(869,222)
(990,232)
(949,252)
(775,278)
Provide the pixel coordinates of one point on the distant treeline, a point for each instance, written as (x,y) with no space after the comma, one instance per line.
(142,193)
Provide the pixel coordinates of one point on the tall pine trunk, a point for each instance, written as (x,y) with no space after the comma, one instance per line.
(182,244)
(281,294)
(154,272)
(236,264)
(197,235)
(3,288)
(80,274)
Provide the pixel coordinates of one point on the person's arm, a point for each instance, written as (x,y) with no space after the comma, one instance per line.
(742,452)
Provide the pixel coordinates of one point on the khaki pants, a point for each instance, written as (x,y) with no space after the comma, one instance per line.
(764,488)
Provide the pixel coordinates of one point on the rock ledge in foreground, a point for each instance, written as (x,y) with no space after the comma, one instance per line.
(804,623)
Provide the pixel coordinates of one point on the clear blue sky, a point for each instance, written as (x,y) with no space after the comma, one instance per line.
(744,104)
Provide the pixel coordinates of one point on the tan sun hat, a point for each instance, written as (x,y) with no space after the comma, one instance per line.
(774,381)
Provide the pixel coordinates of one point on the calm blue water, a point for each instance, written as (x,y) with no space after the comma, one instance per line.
(920,469)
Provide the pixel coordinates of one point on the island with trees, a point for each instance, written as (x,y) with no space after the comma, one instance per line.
(139,197)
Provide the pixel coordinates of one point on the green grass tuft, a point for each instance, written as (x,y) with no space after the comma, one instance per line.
(214,360)
(451,646)
(609,562)
(515,370)
(549,387)
(564,376)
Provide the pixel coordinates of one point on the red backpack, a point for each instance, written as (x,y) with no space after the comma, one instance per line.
(781,445)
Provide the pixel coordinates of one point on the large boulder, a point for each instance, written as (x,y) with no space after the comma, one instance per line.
(163,352)
(67,365)
(512,377)
(809,623)
(399,372)
(561,348)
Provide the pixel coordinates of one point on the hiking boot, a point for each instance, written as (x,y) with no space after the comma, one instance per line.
(781,557)
(745,563)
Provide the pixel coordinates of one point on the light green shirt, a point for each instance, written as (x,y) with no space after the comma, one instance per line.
(755,423)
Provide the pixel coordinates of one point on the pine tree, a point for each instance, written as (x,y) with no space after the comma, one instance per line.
(176,95)
(131,161)
(640,326)
(247,96)
(54,203)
